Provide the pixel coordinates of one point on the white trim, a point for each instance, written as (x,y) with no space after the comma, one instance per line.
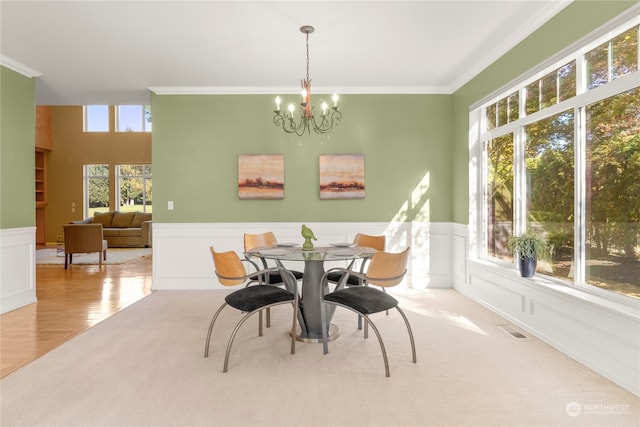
(510,41)
(17,268)
(289,90)
(598,332)
(16,66)
(628,19)
(182,260)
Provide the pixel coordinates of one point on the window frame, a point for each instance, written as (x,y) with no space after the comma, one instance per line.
(144,177)
(86,118)
(85,185)
(478,221)
(144,124)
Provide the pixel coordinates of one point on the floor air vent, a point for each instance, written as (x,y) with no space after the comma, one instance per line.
(512,331)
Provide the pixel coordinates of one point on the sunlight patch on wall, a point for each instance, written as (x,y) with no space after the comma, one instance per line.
(416,207)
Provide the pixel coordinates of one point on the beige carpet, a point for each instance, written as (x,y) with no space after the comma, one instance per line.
(114,256)
(144,367)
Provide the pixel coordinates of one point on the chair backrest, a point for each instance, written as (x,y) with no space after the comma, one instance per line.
(376,242)
(228,267)
(259,240)
(82,238)
(387,269)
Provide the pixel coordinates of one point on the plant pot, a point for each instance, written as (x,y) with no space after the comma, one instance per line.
(527,266)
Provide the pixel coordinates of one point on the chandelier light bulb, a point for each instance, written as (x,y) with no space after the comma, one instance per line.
(335,99)
(278,101)
(292,109)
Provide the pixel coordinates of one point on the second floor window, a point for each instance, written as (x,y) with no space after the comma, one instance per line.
(133,118)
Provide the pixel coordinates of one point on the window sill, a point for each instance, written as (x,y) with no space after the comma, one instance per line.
(619,304)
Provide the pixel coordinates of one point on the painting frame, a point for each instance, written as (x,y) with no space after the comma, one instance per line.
(261,176)
(342,176)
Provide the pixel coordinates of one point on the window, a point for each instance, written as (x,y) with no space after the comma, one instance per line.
(549,168)
(133,118)
(134,187)
(613,192)
(568,165)
(96,118)
(499,195)
(613,59)
(96,189)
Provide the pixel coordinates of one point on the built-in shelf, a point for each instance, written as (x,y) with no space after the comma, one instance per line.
(40,194)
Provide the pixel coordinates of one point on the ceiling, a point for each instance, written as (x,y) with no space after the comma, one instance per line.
(115,52)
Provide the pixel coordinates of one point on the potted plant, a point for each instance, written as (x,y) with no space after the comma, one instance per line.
(528,247)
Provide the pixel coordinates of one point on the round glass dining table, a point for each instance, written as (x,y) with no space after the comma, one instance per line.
(309,316)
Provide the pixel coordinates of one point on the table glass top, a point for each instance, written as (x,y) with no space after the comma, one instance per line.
(320,253)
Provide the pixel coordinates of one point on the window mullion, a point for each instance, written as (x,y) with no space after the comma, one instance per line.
(580,196)
(520,182)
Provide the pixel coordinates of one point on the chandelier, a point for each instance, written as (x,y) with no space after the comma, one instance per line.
(305,117)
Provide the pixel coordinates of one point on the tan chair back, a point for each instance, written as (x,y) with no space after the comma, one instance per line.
(229,267)
(259,240)
(387,269)
(82,238)
(376,242)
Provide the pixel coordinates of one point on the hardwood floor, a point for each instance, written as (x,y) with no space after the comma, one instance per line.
(69,302)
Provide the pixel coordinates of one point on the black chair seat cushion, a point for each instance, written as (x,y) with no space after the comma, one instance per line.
(276,278)
(364,299)
(336,276)
(254,297)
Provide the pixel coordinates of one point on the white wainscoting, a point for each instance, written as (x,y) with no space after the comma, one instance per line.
(17,268)
(601,333)
(182,260)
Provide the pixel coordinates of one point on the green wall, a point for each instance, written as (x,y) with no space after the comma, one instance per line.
(17,147)
(406,141)
(572,23)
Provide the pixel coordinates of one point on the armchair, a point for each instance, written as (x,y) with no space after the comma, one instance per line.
(83,238)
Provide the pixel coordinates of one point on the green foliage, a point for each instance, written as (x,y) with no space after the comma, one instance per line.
(528,245)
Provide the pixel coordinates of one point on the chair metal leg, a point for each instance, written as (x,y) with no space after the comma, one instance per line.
(260,324)
(293,327)
(237,328)
(368,322)
(268,317)
(413,345)
(213,321)
(384,351)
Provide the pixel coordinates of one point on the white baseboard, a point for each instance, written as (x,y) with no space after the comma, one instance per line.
(182,260)
(17,268)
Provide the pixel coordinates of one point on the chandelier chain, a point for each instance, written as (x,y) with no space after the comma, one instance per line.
(307,56)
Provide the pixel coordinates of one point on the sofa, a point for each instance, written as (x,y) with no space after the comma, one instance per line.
(123,229)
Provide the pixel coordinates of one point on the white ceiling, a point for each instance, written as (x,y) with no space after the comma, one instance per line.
(114,52)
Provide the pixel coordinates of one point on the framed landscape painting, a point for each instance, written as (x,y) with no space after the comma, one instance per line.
(261,176)
(342,176)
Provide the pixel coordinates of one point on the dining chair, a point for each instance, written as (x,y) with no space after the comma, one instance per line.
(231,271)
(274,278)
(366,241)
(378,243)
(385,269)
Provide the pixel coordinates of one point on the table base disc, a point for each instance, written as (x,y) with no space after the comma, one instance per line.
(334,332)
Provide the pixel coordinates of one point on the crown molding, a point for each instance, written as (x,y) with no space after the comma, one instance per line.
(248,90)
(508,43)
(18,67)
